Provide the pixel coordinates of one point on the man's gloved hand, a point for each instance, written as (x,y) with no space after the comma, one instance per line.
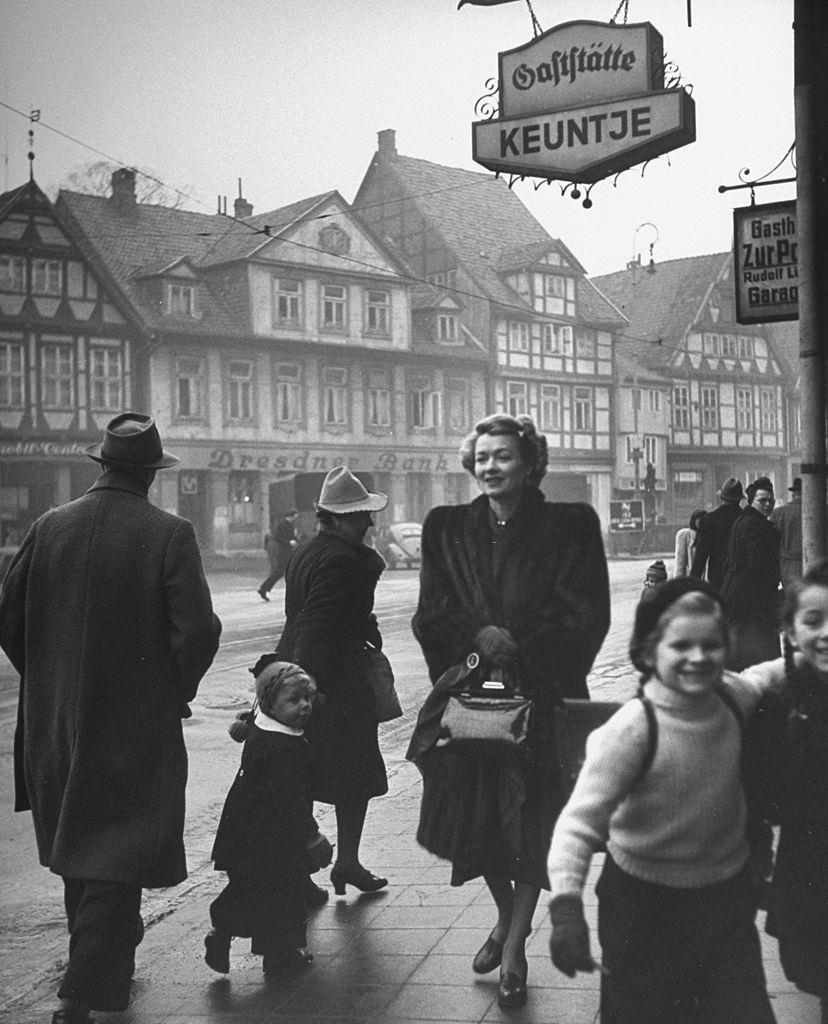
(569,942)
(496,644)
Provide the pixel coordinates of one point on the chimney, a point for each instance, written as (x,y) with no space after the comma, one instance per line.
(387,144)
(123,189)
(241,207)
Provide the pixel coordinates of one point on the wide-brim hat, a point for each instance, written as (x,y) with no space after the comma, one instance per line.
(732,490)
(342,493)
(132,440)
(796,486)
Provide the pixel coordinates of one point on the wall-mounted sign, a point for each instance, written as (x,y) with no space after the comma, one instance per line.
(765,255)
(42,450)
(582,101)
(626,516)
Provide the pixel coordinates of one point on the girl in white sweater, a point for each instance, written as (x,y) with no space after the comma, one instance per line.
(676,903)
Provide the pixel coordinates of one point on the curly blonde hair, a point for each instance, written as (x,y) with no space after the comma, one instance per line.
(531,444)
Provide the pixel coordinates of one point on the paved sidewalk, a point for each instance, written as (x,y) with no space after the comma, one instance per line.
(401,955)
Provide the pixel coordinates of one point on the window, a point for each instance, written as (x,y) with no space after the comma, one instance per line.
(744,409)
(687,484)
(550,407)
(57,382)
(518,336)
(582,408)
(47,276)
(457,401)
(709,406)
(447,329)
(240,390)
(377,311)
(557,339)
(745,347)
(517,398)
(650,449)
(181,300)
(242,500)
(106,379)
(379,398)
(12,274)
(287,304)
(426,407)
(334,395)
(334,240)
(681,407)
(555,294)
(635,399)
(334,301)
(288,393)
(587,344)
(11,375)
(443,278)
(631,444)
(189,387)
(767,405)
(653,400)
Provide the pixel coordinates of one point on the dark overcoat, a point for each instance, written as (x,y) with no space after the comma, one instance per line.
(750,590)
(329,601)
(106,615)
(549,587)
(712,540)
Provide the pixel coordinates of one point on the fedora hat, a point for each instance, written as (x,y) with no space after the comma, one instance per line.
(132,440)
(732,490)
(796,486)
(342,493)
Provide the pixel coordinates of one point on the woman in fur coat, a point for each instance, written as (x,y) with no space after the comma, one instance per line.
(524,583)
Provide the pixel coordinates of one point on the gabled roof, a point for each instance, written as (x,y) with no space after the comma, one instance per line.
(484,223)
(661,306)
(785,335)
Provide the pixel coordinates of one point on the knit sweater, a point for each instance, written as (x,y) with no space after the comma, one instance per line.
(683,823)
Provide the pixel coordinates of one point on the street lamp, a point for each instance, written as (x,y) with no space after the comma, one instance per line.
(636,259)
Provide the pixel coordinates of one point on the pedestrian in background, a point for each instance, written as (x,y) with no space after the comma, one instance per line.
(676,896)
(713,535)
(750,588)
(267,839)
(329,601)
(655,574)
(279,544)
(524,583)
(788,521)
(106,615)
(686,543)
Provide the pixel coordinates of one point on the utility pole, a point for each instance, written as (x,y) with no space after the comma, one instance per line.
(810,105)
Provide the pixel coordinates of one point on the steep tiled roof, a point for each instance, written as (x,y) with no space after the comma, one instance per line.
(661,306)
(786,341)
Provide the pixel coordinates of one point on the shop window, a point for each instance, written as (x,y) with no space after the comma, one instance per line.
(240,390)
(335,396)
(47,277)
(12,274)
(11,375)
(288,394)
(106,379)
(287,301)
(377,312)
(57,376)
(244,513)
(189,387)
(334,307)
(379,398)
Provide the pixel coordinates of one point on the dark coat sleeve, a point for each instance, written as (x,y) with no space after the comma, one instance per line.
(702,552)
(13,605)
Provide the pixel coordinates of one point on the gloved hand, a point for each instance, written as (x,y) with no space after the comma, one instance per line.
(320,851)
(496,644)
(569,942)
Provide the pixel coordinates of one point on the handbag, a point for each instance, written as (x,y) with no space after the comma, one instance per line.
(380,676)
(486,712)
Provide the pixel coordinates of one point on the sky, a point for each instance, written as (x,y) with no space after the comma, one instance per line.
(289,95)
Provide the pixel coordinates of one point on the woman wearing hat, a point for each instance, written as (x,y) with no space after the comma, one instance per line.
(329,600)
(523,582)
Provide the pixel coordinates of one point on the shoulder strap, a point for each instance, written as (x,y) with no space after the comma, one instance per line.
(652,734)
(730,703)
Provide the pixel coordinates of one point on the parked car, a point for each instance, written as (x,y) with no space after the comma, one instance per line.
(399,544)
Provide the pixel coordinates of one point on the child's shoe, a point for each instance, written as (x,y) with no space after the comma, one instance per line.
(217,950)
(285,962)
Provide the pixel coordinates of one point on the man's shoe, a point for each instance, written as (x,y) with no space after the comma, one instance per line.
(315,895)
(217,950)
(263,595)
(71,1013)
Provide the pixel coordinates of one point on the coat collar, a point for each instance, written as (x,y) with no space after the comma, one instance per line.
(112,480)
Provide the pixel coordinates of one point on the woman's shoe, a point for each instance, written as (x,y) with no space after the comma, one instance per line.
(359,877)
(488,956)
(511,991)
(217,950)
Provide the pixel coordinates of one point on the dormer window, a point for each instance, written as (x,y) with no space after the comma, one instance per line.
(447,333)
(554,293)
(334,240)
(181,300)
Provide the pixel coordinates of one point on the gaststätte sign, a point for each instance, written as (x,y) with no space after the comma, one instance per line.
(765,258)
(582,101)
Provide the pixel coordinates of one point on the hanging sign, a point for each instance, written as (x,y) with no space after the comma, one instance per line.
(765,258)
(581,101)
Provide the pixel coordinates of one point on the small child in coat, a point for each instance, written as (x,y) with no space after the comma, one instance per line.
(676,897)
(791,737)
(268,840)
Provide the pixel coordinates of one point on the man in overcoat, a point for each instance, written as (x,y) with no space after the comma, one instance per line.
(750,589)
(106,615)
(713,535)
(788,521)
